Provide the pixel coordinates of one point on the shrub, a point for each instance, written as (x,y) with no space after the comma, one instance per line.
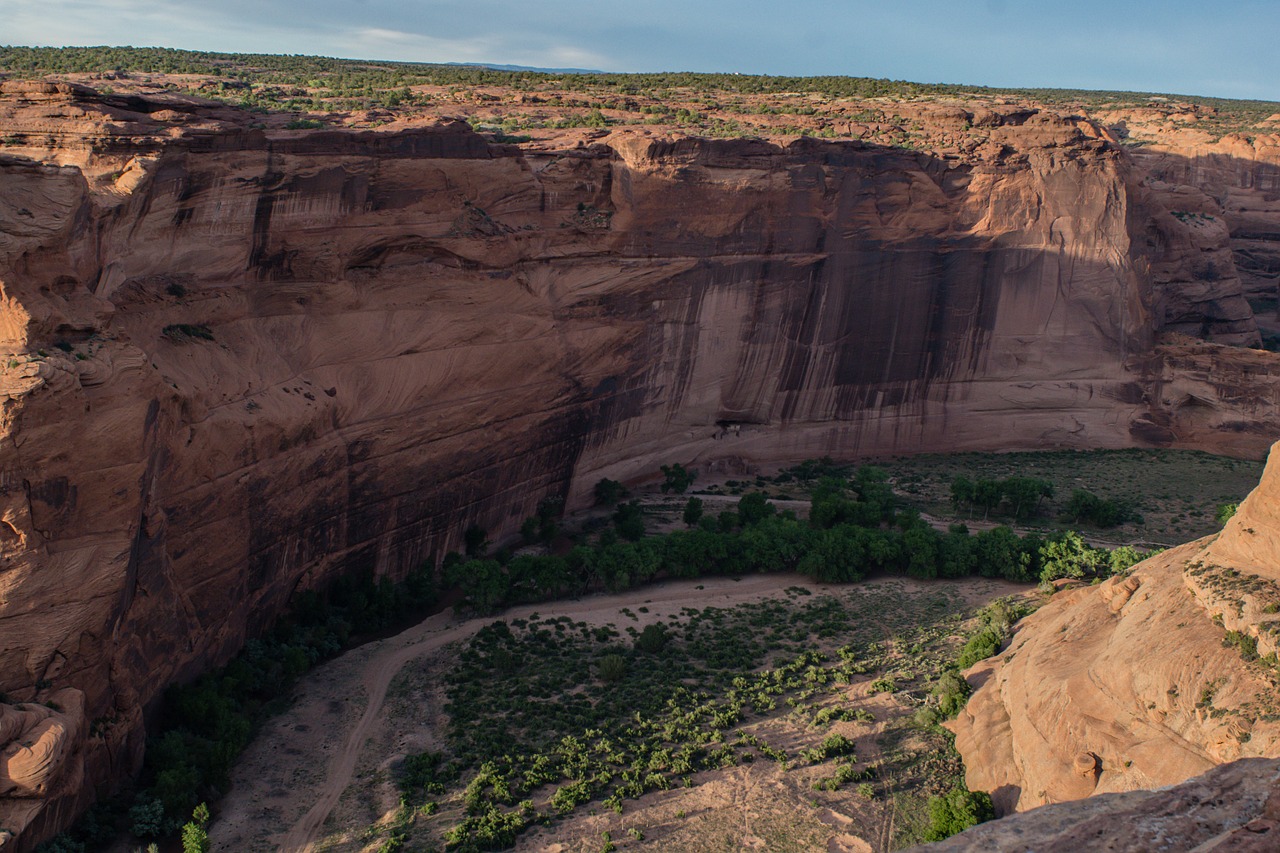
(609,492)
(612,668)
(1245,644)
(677,478)
(956,811)
(952,691)
(653,639)
(180,332)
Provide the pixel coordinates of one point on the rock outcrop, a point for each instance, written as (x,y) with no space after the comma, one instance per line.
(239,361)
(1230,809)
(1065,713)
(1227,185)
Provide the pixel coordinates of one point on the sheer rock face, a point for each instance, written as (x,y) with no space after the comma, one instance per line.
(1230,809)
(239,364)
(1136,673)
(1230,184)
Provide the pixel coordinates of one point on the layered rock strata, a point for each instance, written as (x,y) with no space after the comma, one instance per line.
(241,362)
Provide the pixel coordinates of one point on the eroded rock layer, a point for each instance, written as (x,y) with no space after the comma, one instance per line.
(1136,683)
(238,363)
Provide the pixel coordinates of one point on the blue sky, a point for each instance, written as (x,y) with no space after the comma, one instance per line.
(1225,48)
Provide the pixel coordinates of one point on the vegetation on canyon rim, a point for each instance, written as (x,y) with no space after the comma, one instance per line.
(860,521)
(709,104)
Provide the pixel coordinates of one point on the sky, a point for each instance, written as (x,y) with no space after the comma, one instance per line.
(1224,48)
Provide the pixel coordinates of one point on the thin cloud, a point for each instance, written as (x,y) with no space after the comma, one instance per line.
(1170,46)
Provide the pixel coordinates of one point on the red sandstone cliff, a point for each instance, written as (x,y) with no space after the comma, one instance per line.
(409,332)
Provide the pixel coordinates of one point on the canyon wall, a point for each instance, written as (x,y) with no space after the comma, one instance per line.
(240,362)
(1231,183)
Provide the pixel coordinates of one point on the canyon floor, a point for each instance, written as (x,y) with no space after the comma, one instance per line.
(320,776)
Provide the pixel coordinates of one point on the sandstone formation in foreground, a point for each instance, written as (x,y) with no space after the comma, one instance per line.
(1234,808)
(1136,683)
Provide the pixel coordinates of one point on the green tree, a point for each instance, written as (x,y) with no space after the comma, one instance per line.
(999,553)
(484,583)
(677,478)
(1086,506)
(195,839)
(147,816)
(1125,556)
(838,555)
(987,494)
(1226,512)
(692,512)
(920,547)
(609,492)
(957,553)
(962,491)
(629,520)
(754,508)
(1025,494)
(475,541)
(1067,555)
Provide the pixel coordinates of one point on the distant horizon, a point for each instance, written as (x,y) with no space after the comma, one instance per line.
(1173,46)
(515,68)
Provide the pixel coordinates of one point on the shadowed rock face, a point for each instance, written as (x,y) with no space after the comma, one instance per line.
(243,364)
(1233,184)
(1230,809)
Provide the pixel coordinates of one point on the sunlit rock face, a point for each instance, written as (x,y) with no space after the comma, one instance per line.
(1135,683)
(238,363)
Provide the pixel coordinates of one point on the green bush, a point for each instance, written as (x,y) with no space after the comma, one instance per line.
(612,668)
(653,639)
(180,332)
(676,478)
(956,811)
(609,492)
(952,691)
